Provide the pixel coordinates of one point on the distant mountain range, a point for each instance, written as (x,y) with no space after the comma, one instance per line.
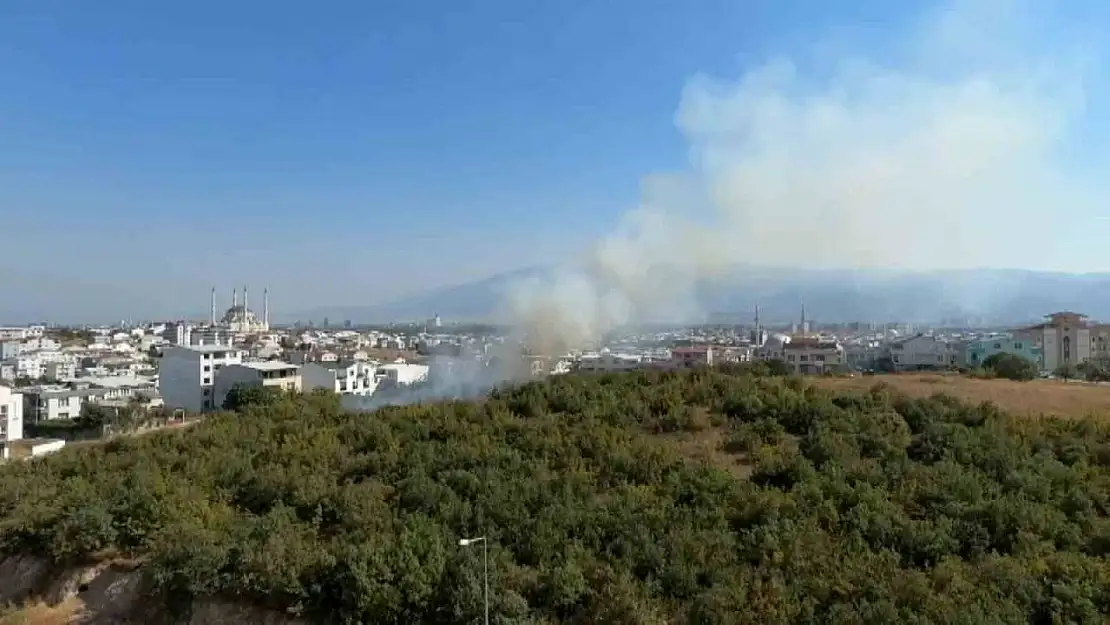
(979,296)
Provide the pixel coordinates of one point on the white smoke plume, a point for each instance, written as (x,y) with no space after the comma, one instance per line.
(948,152)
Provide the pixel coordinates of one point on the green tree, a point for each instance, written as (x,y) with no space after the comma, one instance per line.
(94,415)
(243,395)
(1011,366)
(702,496)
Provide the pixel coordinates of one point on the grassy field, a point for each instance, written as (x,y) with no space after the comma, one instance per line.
(1050,397)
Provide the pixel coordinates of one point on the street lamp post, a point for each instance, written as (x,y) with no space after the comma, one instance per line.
(466,542)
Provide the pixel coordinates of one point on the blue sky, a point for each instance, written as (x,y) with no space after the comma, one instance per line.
(346,152)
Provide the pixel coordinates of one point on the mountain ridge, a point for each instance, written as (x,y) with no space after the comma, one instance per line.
(829,295)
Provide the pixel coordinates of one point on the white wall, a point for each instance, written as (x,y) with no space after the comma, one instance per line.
(11,414)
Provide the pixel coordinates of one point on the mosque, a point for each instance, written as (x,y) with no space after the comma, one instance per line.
(240,319)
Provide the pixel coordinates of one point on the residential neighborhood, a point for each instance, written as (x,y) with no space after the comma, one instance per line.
(163,373)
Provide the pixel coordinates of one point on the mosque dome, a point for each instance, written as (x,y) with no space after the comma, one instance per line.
(240,318)
(239,313)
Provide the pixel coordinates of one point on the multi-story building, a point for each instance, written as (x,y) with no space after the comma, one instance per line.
(345,377)
(1065,339)
(690,357)
(1100,344)
(10,349)
(807,354)
(270,373)
(60,370)
(48,404)
(186,374)
(11,419)
(606,362)
(977,351)
(922,351)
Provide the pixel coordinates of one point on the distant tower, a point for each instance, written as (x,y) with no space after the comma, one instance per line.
(805,325)
(213,312)
(266,307)
(234,297)
(244,298)
(757,336)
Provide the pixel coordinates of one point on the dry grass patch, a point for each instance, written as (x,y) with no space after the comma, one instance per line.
(708,446)
(41,614)
(1048,397)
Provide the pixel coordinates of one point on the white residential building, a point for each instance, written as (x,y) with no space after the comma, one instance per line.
(11,419)
(19,334)
(403,373)
(53,403)
(344,377)
(272,373)
(186,374)
(606,362)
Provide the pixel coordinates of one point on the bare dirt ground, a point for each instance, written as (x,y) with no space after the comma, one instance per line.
(1037,397)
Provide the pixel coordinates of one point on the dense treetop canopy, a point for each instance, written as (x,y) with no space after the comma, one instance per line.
(808,507)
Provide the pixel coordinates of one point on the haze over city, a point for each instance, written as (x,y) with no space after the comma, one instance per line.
(356,154)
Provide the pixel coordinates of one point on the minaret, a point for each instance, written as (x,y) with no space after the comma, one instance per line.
(266,307)
(234,297)
(804,327)
(213,314)
(245,299)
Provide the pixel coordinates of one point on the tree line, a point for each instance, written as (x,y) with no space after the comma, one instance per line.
(814,507)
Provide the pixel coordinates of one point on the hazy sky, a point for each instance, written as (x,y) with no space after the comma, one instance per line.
(351,152)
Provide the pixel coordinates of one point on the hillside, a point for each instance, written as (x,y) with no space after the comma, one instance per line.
(640,498)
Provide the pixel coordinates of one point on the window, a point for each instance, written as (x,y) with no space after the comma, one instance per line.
(207,368)
(1018,346)
(206,381)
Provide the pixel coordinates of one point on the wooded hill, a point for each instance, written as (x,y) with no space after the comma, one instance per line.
(806,506)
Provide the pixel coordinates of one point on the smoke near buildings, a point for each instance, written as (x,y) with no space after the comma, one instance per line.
(946,151)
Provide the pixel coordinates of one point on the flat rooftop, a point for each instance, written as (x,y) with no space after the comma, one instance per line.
(270,365)
(206,348)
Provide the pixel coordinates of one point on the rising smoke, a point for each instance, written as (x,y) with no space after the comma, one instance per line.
(946,153)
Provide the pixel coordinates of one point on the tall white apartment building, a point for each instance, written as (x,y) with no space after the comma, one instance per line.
(11,419)
(186,374)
